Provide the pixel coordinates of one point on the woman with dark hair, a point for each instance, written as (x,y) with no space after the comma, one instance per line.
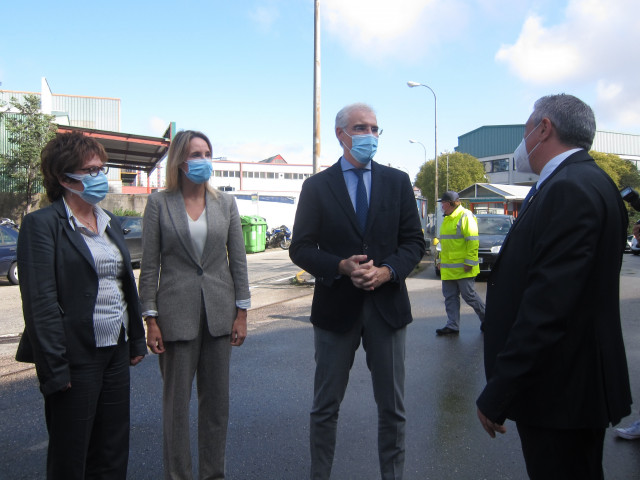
(195,294)
(83,326)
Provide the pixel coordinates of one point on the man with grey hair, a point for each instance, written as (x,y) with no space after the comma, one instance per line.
(357,231)
(554,355)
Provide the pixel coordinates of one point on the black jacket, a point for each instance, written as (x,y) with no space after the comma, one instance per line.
(326,231)
(59,286)
(554,353)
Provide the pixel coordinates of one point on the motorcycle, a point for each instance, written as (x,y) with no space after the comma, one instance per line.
(279,237)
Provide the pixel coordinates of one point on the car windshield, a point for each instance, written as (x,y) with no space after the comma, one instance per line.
(8,235)
(493,226)
(133,224)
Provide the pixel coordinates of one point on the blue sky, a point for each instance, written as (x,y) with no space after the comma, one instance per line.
(242,71)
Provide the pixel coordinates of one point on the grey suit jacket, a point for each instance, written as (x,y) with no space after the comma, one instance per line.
(173,280)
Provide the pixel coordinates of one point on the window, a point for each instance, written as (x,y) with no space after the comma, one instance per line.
(493,166)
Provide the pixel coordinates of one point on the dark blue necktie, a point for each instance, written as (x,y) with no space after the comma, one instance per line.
(362,203)
(527,199)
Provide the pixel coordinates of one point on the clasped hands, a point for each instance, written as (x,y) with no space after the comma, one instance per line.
(364,275)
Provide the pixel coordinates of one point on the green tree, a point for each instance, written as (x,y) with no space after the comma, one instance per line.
(624,174)
(28,131)
(464,170)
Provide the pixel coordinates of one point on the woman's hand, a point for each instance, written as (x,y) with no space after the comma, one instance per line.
(154,336)
(239,329)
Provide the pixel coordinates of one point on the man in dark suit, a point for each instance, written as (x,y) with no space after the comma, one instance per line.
(554,355)
(358,232)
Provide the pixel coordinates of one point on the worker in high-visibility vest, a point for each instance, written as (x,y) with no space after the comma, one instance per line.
(459,262)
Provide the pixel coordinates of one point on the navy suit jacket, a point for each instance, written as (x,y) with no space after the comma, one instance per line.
(59,287)
(326,231)
(554,353)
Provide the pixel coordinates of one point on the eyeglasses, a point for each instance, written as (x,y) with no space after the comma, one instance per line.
(364,129)
(94,171)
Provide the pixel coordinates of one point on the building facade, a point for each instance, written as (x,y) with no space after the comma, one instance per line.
(494,145)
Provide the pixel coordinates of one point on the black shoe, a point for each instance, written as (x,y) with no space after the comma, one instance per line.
(446,331)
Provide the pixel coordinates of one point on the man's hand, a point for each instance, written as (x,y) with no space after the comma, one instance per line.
(154,336)
(239,329)
(467,268)
(348,265)
(490,427)
(369,277)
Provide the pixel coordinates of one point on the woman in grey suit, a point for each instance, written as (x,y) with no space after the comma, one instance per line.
(195,294)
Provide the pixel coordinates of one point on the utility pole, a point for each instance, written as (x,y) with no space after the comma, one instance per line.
(316,88)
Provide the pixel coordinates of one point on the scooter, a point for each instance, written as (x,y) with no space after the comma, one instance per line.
(279,237)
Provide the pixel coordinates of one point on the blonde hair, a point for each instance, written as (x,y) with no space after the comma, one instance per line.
(178,154)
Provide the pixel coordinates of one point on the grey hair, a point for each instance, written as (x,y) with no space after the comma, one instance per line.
(342,117)
(572,119)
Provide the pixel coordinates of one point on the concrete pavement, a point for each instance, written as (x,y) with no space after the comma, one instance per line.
(271,390)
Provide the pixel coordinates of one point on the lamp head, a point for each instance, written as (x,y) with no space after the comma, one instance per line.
(413,84)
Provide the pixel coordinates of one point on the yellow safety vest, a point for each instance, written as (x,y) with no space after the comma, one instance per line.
(459,242)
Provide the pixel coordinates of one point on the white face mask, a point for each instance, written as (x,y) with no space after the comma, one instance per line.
(521,156)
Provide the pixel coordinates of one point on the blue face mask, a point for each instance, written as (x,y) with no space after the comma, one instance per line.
(95,188)
(363,147)
(199,170)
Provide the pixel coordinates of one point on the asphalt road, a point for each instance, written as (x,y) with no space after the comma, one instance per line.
(271,392)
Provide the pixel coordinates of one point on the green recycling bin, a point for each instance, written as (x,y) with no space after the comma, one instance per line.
(254,232)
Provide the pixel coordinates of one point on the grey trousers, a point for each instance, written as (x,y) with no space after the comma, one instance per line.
(452,290)
(385,353)
(207,358)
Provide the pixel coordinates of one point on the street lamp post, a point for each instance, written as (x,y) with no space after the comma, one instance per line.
(447,172)
(435,132)
(423,147)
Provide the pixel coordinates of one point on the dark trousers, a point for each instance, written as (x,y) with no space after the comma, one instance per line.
(552,454)
(385,353)
(89,423)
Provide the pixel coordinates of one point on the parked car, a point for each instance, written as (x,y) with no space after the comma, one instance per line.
(8,255)
(635,248)
(132,229)
(492,230)
(627,247)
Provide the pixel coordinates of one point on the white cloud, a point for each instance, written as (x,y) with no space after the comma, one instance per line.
(257,151)
(264,16)
(402,29)
(542,56)
(158,126)
(595,46)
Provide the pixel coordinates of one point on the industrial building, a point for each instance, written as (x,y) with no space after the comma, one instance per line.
(494,145)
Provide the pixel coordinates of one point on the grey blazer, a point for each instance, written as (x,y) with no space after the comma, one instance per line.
(173,280)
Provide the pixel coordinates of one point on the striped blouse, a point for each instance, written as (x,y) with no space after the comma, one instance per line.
(110,312)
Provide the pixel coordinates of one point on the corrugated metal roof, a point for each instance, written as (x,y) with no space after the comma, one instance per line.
(617,143)
(494,140)
(488,191)
(100,113)
(491,140)
(126,150)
